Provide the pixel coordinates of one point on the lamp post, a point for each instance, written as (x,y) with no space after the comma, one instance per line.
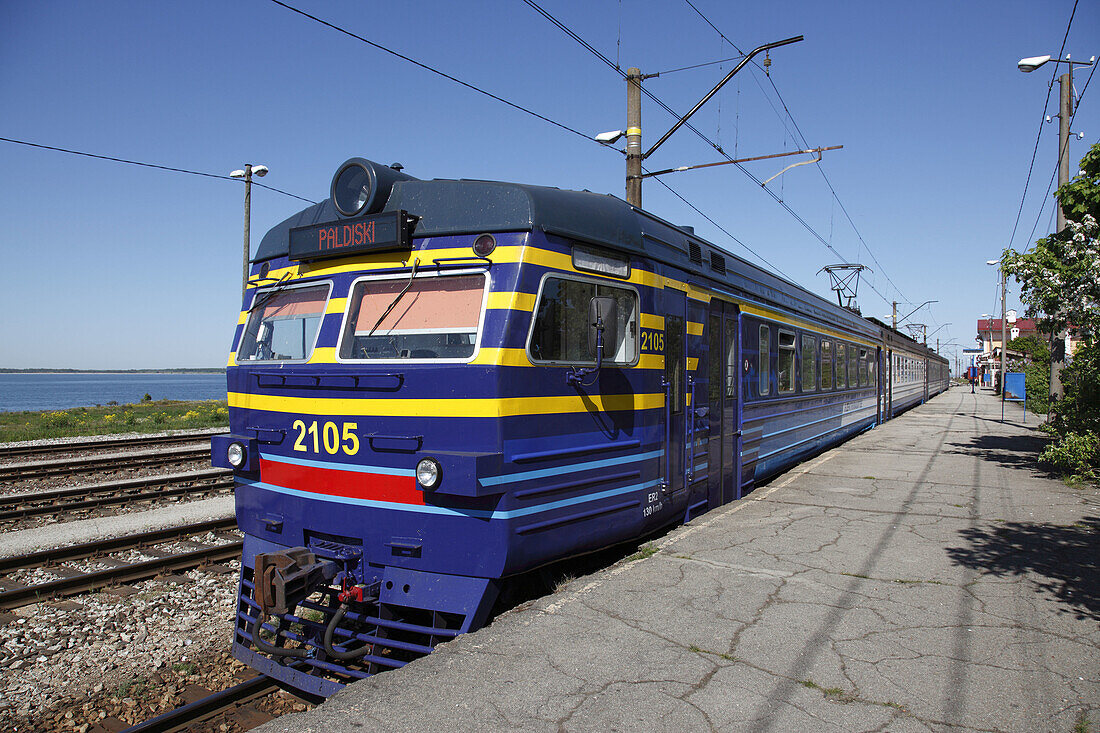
(1004,324)
(249,170)
(1065,113)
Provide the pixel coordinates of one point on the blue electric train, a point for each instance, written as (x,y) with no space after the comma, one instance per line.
(437,385)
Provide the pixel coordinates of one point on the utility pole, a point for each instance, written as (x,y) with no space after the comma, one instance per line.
(634,137)
(1004,330)
(895,316)
(246,173)
(247,223)
(634,154)
(1065,112)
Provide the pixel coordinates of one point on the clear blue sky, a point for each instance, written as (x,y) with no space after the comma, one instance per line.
(115,266)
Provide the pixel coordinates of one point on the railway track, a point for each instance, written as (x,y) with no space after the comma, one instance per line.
(124,491)
(220,703)
(89,464)
(16,451)
(67,580)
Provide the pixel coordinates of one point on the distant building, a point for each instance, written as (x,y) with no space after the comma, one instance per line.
(989,336)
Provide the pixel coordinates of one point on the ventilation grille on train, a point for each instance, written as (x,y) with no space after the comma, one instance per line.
(695,253)
(717,262)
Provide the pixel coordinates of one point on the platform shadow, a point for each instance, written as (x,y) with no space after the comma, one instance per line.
(1066,559)
(1010,451)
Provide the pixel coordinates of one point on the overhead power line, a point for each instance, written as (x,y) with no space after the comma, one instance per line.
(806,225)
(1039,134)
(433,70)
(805,143)
(149,165)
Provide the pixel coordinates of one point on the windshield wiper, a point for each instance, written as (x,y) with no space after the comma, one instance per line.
(277,287)
(408,285)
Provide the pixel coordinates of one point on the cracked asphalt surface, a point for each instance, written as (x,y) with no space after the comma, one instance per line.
(925,576)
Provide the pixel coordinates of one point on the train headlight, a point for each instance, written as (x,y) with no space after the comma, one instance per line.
(352,188)
(236,455)
(428,473)
(484,245)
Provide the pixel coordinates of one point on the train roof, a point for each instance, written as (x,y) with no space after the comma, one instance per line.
(453,207)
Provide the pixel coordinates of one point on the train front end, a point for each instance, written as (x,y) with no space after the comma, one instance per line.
(364,406)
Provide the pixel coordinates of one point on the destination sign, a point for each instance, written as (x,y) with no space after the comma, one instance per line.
(374,233)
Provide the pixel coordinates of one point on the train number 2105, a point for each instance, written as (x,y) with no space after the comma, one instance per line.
(329,435)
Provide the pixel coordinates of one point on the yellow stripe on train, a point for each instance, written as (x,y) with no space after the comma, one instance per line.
(440,407)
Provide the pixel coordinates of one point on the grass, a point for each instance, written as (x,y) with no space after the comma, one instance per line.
(643,552)
(152,416)
(699,650)
(185,668)
(1082,724)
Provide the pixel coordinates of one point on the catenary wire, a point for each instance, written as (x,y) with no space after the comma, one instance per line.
(806,225)
(1039,134)
(721,228)
(569,32)
(805,144)
(494,96)
(433,70)
(1061,152)
(149,165)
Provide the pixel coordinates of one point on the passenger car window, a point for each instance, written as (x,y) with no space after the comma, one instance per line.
(764,361)
(841,368)
(809,364)
(560,330)
(283,324)
(427,318)
(785,371)
(826,364)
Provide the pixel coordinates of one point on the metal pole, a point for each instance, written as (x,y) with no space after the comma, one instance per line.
(1004,329)
(1065,111)
(634,137)
(895,315)
(247,215)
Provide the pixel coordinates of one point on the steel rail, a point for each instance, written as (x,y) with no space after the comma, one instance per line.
(99,548)
(132,572)
(69,500)
(12,451)
(183,717)
(40,469)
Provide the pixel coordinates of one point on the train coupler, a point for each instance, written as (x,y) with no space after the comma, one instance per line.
(285,579)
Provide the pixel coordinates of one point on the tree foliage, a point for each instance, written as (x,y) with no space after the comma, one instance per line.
(1060,285)
(1060,277)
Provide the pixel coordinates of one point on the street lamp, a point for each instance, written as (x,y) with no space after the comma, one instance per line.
(1065,114)
(249,170)
(1004,323)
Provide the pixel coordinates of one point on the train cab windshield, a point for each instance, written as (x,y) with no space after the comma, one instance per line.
(422,318)
(283,324)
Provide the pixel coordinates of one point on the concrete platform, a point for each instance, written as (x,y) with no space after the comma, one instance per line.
(924,576)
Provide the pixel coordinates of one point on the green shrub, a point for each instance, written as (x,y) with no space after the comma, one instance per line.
(1077,453)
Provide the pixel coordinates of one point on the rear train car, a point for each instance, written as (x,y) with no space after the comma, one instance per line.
(438,385)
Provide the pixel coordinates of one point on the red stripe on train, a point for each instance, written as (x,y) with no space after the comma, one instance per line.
(334,482)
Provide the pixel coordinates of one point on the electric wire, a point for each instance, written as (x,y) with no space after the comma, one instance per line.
(1057,164)
(806,225)
(725,231)
(805,144)
(1039,134)
(149,165)
(433,70)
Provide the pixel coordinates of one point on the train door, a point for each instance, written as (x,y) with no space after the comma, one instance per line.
(878,385)
(723,407)
(889,383)
(673,383)
(697,436)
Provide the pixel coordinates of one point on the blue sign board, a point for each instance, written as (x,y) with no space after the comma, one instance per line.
(1014,387)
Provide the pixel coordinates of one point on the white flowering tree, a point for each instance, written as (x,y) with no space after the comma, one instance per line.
(1060,277)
